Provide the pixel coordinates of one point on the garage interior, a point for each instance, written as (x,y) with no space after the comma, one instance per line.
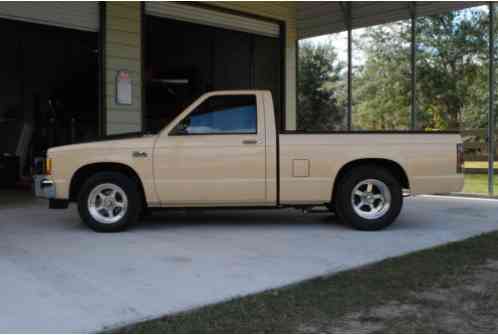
(51,66)
(49,94)
(183,60)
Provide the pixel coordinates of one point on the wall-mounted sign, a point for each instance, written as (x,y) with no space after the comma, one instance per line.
(123,88)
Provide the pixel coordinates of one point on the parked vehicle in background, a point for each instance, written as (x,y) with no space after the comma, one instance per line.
(224,151)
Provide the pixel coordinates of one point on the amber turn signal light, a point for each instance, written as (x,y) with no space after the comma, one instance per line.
(48,166)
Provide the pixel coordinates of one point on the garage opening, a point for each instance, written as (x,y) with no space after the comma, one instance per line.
(49,94)
(184,59)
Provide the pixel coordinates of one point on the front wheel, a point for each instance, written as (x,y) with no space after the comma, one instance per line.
(368,198)
(109,202)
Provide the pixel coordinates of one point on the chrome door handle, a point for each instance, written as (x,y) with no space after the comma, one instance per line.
(139,154)
(249,141)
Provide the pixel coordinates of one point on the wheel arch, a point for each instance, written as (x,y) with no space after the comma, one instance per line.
(395,168)
(86,171)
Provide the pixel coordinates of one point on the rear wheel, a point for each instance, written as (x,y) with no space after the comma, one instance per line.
(109,202)
(368,198)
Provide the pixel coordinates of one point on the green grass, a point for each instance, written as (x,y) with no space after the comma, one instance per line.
(479,165)
(321,300)
(478,183)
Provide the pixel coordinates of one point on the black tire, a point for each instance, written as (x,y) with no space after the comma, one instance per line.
(145,213)
(131,191)
(344,204)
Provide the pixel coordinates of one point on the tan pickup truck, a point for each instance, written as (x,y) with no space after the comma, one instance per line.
(224,151)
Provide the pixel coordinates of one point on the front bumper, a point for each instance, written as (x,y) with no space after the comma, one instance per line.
(44,187)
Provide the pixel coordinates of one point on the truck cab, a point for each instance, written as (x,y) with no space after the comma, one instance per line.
(220,151)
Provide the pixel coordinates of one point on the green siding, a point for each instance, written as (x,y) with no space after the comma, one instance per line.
(123,52)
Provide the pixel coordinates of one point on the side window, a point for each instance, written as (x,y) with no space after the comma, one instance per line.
(223,114)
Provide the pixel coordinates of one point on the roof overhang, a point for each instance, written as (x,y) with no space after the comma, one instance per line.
(316,18)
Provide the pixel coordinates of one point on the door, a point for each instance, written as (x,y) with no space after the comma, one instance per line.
(82,15)
(232,53)
(190,12)
(267,69)
(215,155)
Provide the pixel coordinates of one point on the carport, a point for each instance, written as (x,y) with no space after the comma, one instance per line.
(58,276)
(237,45)
(351,30)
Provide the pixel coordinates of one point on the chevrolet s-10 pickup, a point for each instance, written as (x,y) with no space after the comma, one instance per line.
(225,151)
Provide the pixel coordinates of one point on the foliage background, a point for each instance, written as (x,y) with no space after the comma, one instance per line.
(451,74)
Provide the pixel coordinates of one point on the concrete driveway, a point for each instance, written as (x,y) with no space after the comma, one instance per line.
(58,276)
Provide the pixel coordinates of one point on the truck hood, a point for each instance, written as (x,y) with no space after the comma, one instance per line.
(126,141)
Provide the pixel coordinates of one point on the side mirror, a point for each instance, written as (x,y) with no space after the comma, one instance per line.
(181,127)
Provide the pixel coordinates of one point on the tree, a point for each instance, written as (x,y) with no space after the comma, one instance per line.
(381,83)
(451,66)
(320,86)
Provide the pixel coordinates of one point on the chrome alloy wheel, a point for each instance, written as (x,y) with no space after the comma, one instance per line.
(371,199)
(107,203)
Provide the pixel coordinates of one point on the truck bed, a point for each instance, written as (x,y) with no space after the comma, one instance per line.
(425,157)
